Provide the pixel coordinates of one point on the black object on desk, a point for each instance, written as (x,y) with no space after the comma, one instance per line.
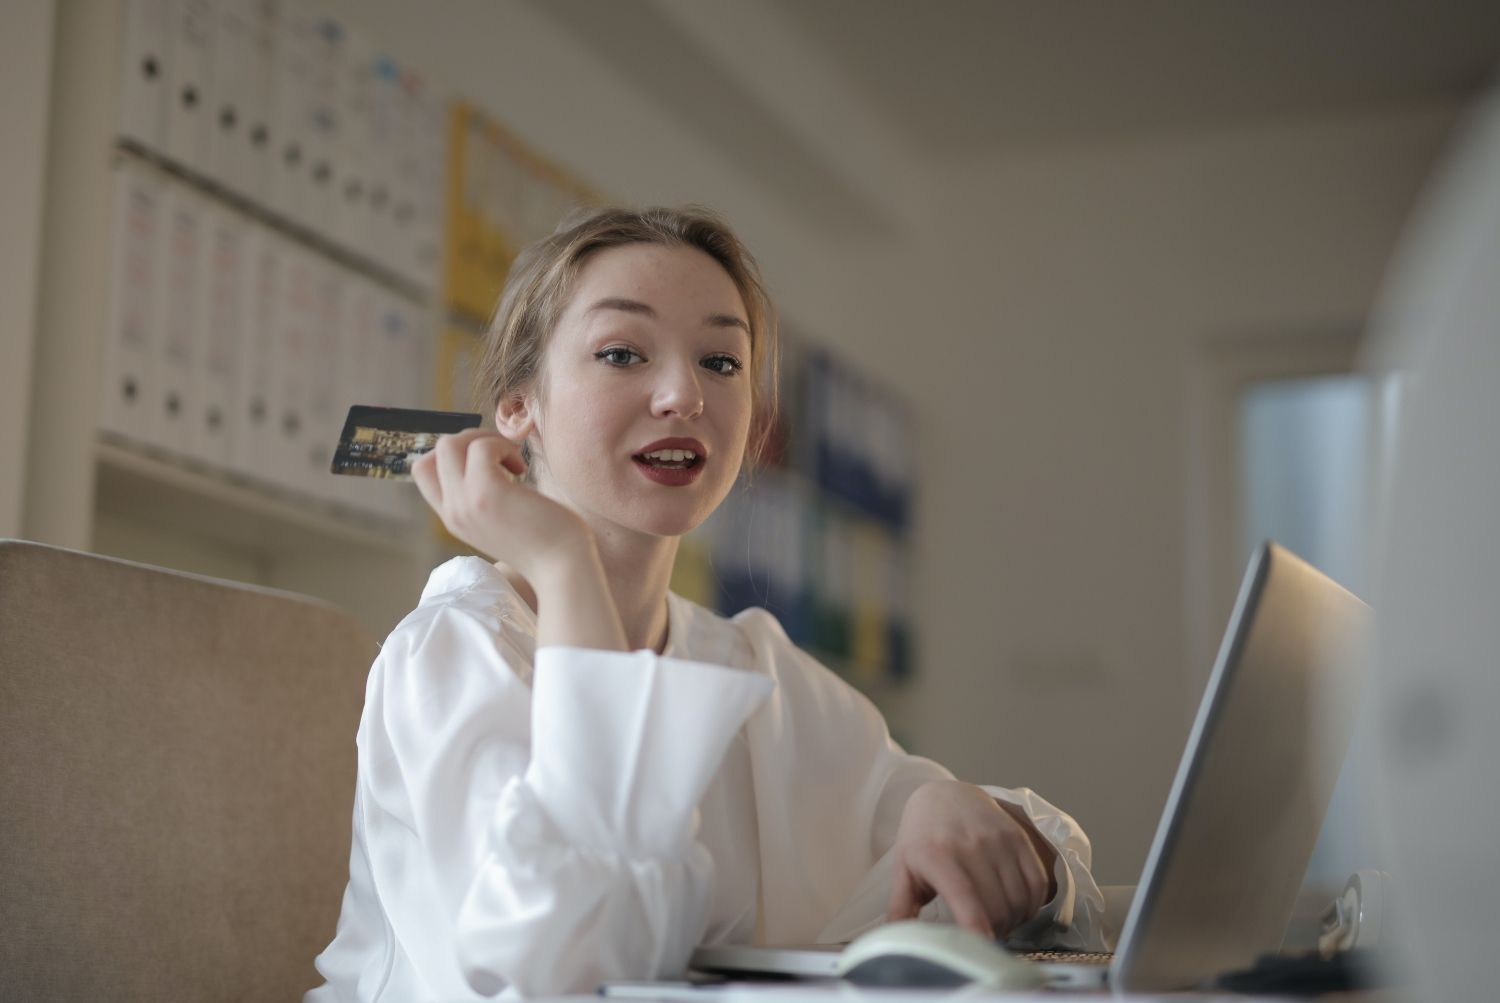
(1305,974)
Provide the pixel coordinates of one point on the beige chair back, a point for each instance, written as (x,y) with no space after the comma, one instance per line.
(176,777)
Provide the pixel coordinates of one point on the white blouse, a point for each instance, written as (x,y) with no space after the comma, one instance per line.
(535,822)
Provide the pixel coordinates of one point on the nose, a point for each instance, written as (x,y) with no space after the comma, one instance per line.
(678,394)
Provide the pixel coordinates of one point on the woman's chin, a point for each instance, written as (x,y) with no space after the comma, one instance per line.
(660,513)
(676,518)
(664,524)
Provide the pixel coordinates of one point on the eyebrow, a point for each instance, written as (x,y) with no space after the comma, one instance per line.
(726,320)
(644,309)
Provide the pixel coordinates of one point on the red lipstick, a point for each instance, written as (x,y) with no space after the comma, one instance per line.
(670,471)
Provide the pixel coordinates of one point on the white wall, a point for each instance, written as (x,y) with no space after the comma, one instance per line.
(1075,292)
(26,55)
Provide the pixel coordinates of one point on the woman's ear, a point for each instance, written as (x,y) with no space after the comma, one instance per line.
(515,418)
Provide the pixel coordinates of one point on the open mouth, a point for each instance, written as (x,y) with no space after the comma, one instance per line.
(669,459)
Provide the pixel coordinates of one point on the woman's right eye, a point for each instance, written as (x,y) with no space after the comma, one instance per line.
(618,356)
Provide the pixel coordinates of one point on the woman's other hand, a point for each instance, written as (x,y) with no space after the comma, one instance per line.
(469,479)
(986,860)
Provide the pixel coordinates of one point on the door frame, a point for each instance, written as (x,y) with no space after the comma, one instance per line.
(1219,374)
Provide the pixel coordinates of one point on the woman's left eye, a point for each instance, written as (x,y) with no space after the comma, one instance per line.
(618,356)
(724,365)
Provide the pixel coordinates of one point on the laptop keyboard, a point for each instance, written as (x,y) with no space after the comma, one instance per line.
(1069,957)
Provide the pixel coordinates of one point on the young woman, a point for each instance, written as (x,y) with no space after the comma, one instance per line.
(567,773)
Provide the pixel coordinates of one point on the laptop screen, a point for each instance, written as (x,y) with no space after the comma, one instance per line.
(1234,841)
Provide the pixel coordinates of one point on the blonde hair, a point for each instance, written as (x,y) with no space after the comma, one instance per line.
(542,279)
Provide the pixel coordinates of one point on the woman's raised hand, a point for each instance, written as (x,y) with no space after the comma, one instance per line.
(469,479)
(990,865)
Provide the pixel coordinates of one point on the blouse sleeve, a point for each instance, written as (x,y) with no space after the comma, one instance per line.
(838,741)
(1074,919)
(541,842)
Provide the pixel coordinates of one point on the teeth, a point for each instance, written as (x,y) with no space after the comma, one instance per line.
(672,455)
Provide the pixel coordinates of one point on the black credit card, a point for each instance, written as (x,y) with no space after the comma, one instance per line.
(385,441)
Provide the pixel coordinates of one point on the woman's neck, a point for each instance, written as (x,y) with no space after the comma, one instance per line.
(638,569)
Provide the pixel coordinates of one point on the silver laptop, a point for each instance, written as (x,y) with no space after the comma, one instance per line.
(1239,826)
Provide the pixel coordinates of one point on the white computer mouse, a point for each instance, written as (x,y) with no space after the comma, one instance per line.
(912,954)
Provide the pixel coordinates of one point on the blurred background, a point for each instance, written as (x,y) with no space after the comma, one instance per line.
(1074,295)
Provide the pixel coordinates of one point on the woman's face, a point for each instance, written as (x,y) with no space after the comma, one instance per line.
(652,353)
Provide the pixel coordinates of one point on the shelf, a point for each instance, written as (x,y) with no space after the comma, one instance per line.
(270,219)
(157,491)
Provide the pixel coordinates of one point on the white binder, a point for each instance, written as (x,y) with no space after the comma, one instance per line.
(179,349)
(406,159)
(221,322)
(291,358)
(144,70)
(182,243)
(432,175)
(418,210)
(360,342)
(188,74)
(322,125)
(385,111)
(395,383)
(231,86)
(324,408)
(133,321)
(420,365)
(410,374)
(291,80)
(356,95)
(254,442)
(255,173)
(423,356)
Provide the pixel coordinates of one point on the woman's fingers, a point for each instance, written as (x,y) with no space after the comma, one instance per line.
(496,451)
(1024,878)
(452,452)
(1034,873)
(469,479)
(906,898)
(986,893)
(460,476)
(1025,874)
(510,456)
(1000,903)
(951,881)
(424,473)
(987,861)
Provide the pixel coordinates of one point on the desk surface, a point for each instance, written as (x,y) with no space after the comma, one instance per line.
(844,993)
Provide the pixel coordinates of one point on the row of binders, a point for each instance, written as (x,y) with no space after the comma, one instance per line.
(835,578)
(232,347)
(296,113)
(856,438)
(850,435)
